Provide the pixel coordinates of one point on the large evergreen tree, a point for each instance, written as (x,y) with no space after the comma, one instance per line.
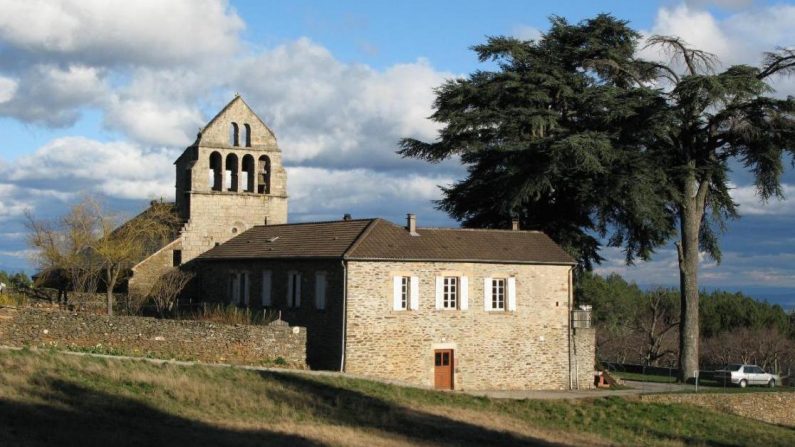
(576,136)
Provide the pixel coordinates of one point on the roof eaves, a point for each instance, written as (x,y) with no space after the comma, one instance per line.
(477,261)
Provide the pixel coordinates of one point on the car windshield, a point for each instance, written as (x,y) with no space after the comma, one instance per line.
(732,367)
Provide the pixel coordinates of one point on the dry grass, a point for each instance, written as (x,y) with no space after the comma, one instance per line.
(12,298)
(230,314)
(89,401)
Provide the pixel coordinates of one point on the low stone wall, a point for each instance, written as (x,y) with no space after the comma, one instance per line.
(275,344)
(770,407)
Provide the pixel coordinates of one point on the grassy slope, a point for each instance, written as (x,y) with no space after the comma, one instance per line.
(54,399)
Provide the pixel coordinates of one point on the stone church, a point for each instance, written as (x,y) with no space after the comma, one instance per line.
(433,307)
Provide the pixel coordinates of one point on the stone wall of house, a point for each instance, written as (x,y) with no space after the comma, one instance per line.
(523,349)
(151,337)
(584,349)
(148,271)
(324,327)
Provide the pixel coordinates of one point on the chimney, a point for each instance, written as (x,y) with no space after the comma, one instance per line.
(515,224)
(411,224)
(347,216)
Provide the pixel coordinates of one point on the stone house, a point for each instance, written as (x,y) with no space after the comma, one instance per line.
(443,308)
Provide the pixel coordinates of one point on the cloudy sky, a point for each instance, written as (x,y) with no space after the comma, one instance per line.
(100,96)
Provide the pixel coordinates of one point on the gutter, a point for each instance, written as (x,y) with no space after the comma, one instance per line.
(344,313)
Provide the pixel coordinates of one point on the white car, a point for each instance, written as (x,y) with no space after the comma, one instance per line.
(745,375)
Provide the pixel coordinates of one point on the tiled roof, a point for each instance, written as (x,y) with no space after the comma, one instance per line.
(385,240)
(300,240)
(378,239)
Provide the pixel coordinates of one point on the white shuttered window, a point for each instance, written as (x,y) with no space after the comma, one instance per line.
(512,293)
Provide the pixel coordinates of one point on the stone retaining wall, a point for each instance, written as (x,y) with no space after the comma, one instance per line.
(150,337)
(770,407)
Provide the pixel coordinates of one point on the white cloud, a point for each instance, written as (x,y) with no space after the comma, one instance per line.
(339,114)
(8,88)
(750,203)
(115,169)
(735,270)
(51,95)
(108,32)
(739,38)
(526,32)
(318,194)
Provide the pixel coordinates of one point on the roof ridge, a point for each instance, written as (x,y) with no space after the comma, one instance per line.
(362,236)
(310,223)
(507,230)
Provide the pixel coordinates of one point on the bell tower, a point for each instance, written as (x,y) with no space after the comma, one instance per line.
(230,179)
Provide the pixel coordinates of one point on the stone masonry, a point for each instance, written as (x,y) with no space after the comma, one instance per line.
(140,336)
(214,216)
(522,349)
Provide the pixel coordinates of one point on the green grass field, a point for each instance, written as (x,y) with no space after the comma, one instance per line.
(56,399)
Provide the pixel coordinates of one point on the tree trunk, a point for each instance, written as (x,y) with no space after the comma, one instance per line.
(687,248)
(110,282)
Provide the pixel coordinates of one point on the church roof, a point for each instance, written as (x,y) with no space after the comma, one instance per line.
(379,239)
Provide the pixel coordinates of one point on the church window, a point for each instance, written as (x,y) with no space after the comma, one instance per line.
(234,135)
(232,173)
(248,173)
(216,171)
(264,175)
(247,135)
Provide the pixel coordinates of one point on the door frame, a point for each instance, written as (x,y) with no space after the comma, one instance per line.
(451,365)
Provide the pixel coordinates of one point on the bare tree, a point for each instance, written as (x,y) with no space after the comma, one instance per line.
(88,243)
(120,247)
(167,288)
(656,324)
(62,246)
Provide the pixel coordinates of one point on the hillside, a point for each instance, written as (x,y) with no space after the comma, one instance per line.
(55,399)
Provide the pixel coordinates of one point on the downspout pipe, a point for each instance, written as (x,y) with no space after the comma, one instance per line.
(344,313)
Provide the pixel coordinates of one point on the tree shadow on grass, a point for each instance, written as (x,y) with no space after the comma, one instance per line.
(341,406)
(76,416)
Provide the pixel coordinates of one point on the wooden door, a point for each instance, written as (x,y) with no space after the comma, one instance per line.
(443,369)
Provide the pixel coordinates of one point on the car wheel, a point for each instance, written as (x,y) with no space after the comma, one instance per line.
(772,383)
(743,383)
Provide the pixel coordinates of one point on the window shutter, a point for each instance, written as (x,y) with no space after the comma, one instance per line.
(320,290)
(266,288)
(397,292)
(464,295)
(289,299)
(439,291)
(487,294)
(415,293)
(512,293)
(298,290)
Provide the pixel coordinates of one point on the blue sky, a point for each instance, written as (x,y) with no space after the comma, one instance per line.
(101,96)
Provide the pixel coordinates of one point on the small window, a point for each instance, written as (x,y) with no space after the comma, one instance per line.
(498,294)
(450,293)
(176,258)
(438,359)
(293,289)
